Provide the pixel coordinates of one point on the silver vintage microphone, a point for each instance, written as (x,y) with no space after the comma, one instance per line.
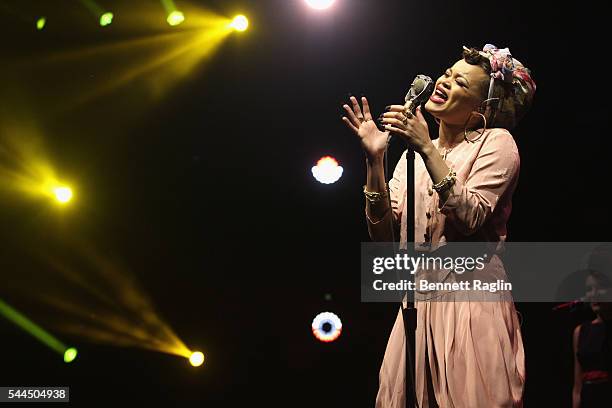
(421,89)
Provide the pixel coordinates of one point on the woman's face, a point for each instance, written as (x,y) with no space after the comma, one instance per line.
(598,295)
(458,92)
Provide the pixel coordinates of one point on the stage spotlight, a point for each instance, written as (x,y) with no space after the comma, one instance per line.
(239,23)
(62,194)
(106,19)
(327,170)
(70,354)
(175,18)
(320,4)
(196,359)
(40,23)
(326,327)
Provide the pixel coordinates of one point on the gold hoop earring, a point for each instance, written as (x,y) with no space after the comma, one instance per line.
(484,119)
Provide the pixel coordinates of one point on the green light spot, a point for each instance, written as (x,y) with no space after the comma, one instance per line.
(106,19)
(70,354)
(40,23)
(175,18)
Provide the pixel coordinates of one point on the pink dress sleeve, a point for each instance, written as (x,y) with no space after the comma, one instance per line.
(494,173)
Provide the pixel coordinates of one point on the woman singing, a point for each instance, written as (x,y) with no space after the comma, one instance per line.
(469,354)
(593,348)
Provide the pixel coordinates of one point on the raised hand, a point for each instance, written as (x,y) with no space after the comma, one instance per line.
(373,140)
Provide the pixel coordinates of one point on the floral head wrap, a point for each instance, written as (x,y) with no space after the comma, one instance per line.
(507,69)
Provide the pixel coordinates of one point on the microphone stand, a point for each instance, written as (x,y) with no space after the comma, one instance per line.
(409,315)
(419,92)
(416,96)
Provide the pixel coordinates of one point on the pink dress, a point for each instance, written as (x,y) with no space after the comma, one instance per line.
(475,349)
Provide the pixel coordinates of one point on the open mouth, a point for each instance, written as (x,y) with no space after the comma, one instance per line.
(439,96)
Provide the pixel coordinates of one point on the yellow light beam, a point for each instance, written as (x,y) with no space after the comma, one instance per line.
(24,165)
(101,301)
(156,62)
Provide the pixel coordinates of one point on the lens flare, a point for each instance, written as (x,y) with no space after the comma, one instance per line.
(239,23)
(70,354)
(320,4)
(196,359)
(327,170)
(175,18)
(326,327)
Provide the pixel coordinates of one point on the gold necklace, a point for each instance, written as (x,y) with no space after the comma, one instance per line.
(446,152)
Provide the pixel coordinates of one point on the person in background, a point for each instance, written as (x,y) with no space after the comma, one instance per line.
(592,349)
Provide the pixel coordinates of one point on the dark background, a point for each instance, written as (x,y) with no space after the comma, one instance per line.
(206,193)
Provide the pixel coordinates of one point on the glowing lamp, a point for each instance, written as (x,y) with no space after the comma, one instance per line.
(40,23)
(327,170)
(239,23)
(62,194)
(70,354)
(196,359)
(106,19)
(175,18)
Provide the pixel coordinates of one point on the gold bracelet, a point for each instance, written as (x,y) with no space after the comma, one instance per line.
(376,222)
(374,197)
(446,183)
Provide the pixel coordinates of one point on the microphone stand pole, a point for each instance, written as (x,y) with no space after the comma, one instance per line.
(409,313)
(421,88)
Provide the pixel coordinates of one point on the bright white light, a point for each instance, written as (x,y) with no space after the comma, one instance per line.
(240,23)
(320,4)
(327,170)
(62,194)
(175,18)
(196,359)
(326,327)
